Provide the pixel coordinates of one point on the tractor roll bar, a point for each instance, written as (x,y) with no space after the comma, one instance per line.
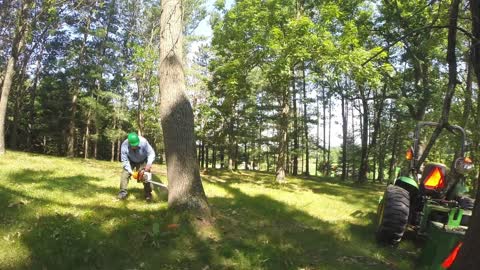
(452,128)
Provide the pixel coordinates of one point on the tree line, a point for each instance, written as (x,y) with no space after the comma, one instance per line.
(76,76)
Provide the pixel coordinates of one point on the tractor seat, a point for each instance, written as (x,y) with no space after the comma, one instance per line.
(434,180)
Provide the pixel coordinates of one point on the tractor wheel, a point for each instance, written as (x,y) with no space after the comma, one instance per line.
(393,215)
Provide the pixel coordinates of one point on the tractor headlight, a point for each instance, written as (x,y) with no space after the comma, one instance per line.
(463,165)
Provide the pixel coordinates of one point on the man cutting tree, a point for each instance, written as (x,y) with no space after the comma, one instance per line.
(136,154)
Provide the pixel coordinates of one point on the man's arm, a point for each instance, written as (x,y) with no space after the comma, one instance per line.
(150,158)
(124,158)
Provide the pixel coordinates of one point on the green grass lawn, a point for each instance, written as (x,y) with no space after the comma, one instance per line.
(60,213)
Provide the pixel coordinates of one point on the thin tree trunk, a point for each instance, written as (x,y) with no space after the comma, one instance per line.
(362,174)
(141,94)
(235,158)
(222,157)
(318,136)
(324,103)
(452,80)
(214,157)
(186,191)
(246,155)
(329,166)
(33,93)
(87,135)
(76,89)
(202,155)
(467,258)
(468,93)
(344,138)
(295,125)
(119,149)
(282,132)
(305,121)
(206,156)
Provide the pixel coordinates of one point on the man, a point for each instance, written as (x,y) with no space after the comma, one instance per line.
(136,153)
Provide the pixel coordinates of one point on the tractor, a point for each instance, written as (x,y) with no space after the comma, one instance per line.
(429,200)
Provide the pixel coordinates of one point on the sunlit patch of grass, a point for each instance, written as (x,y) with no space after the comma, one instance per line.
(61,213)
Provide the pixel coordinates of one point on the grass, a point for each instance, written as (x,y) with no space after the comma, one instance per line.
(60,213)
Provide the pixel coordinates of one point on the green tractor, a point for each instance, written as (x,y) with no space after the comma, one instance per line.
(428,199)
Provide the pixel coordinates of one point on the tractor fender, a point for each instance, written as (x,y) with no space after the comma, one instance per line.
(408,184)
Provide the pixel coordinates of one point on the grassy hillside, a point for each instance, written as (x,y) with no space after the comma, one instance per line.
(60,213)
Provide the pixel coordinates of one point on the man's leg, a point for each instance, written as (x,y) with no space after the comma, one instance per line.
(147,187)
(123,185)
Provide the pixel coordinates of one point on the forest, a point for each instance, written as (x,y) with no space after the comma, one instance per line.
(288,87)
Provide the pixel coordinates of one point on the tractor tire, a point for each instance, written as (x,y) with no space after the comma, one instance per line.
(393,212)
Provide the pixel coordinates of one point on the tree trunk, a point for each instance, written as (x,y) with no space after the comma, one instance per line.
(362,174)
(246,155)
(206,157)
(76,89)
(344,138)
(318,136)
(324,104)
(17,47)
(87,135)
(33,93)
(222,157)
(452,80)
(468,93)
(119,149)
(329,166)
(282,135)
(467,258)
(235,158)
(305,121)
(202,155)
(214,157)
(185,187)
(295,126)
(393,158)
(140,117)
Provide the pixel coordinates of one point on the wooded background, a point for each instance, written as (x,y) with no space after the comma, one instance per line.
(77,76)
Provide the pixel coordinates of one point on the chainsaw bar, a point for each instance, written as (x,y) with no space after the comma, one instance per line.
(156,183)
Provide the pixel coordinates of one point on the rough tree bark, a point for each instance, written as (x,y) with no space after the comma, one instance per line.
(17,46)
(186,191)
(468,258)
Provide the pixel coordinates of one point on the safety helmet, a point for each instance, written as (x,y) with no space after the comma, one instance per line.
(133,139)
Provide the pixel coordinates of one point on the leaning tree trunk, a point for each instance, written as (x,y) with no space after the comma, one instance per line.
(17,47)
(185,186)
(452,79)
(467,258)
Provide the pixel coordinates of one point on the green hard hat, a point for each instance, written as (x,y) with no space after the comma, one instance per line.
(133,139)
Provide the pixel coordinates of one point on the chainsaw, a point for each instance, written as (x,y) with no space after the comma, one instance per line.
(146,177)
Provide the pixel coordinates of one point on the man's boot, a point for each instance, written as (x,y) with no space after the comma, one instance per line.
(122,195)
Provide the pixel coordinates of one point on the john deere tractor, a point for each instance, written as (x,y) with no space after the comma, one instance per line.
(428,199)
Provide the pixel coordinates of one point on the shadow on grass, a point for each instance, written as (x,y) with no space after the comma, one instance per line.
(251,232)
(349,192)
